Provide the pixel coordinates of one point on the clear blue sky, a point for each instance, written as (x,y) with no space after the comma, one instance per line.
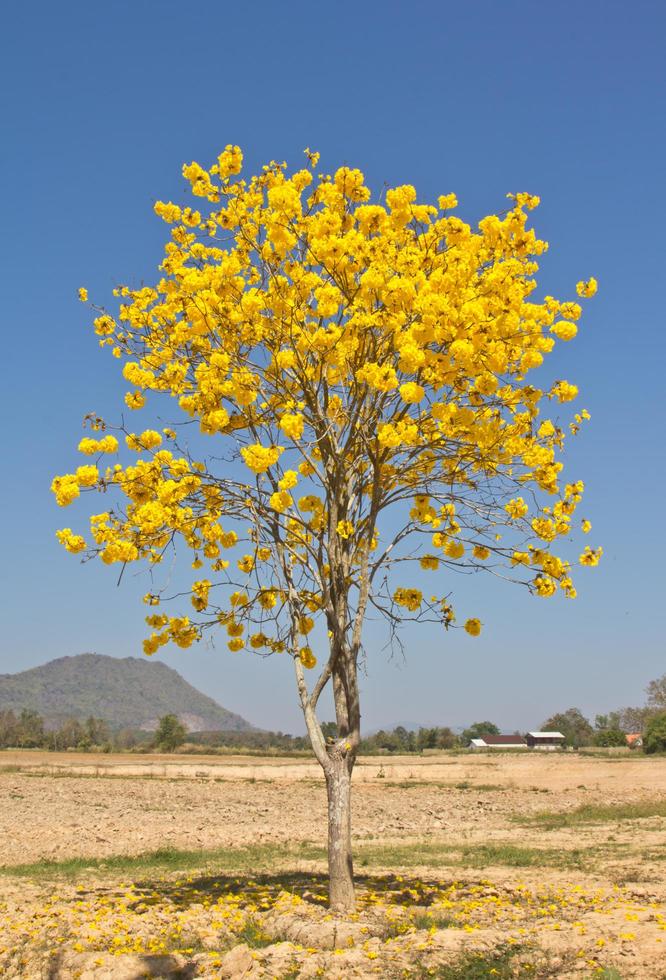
(102,103)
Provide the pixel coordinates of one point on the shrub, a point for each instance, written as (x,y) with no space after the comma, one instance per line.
(654,739)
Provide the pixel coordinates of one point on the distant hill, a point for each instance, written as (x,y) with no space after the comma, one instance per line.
(126,693)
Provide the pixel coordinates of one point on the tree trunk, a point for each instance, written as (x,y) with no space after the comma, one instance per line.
(340,869)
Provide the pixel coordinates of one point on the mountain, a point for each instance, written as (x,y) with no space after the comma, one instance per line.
(126,693)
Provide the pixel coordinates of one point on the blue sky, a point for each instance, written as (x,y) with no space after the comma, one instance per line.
(102,104)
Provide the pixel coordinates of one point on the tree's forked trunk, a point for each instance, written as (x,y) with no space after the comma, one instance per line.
(341,872)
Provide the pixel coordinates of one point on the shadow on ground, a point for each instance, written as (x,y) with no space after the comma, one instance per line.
(261,891)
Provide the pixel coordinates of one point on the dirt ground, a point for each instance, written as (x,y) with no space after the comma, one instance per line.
(453,857)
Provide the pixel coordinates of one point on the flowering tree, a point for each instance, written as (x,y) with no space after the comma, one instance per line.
(360,370)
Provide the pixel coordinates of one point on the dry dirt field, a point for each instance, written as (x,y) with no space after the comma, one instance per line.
(468,866)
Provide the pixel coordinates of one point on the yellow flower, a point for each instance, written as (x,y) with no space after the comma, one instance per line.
(307,658)
(345,529)
(289,480)
(292,425)
(454,549)
(83,294)
(72,542)
(246,564)
(473,627)
(408,598)
(260,458)
(90,447)
(135,400)
(588,288)
(591,556)
(564,330)
(411,392)
(516,508)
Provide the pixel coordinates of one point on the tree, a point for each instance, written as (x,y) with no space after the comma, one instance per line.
(329,730)
(97,731)
(69,736)
(170,733)
(573,725)
(8,729)
(360,371)
(478,730)
(30,729)
(656,694)
(654,739)
(635,719)
(607,737)
(610,721)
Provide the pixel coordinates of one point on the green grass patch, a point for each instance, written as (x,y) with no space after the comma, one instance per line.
(251,858)
(413,783)
(428,920)
(467,856)
(591,813)
(499,964)
(253,934)
(268,857)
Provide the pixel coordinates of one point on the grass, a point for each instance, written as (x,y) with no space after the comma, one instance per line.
(498,964)
(257,857)
(252,934)
(247,858)
(591,813)
(426,920)
(468,856)
(413,783)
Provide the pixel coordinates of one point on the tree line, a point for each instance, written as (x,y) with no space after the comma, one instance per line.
(27,730)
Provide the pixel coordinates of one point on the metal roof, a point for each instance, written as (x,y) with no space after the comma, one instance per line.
(503,739)
(546,734)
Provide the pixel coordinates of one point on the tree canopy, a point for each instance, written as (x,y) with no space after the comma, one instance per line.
(170,733)
(376,352)
(477,730)
(654,739)
(573,725)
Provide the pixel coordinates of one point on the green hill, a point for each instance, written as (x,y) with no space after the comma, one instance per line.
(126,693)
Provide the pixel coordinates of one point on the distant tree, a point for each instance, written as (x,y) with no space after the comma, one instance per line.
(654,739)
(608,737)
(610,721)
(446,739)
(97,731)
(656,694)
(385,740)
(404,739)
(30,730)
(573,725)
(329,730)
(426,739)
(478,730)
(68,736)
(635,719)
(170,733)
(8,729)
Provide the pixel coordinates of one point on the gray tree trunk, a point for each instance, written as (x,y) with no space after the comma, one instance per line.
(341,872)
